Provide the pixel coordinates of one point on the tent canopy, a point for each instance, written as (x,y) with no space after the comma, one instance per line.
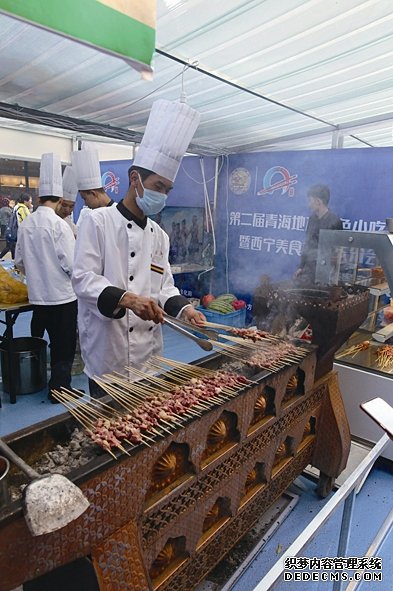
(265,75)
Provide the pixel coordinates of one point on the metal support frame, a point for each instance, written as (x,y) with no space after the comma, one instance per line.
(346,493)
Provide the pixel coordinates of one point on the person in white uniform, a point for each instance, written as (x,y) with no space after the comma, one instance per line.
(121,271)
(66,205)
(89,184)
(45,253)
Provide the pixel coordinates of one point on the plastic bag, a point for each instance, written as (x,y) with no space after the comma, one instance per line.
(12,291)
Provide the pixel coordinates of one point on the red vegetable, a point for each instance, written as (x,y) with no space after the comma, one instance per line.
(207,299)
(238,304)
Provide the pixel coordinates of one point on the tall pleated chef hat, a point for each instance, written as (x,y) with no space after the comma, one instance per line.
(50,176)
(168,133)
(70,187)
(86,164)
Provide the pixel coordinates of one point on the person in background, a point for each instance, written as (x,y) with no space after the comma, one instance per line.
(24,207)
(121,271)
(45,253)
(22,210)
(66,206)
(5,214)
(322,218)
(64,210)
(89,185)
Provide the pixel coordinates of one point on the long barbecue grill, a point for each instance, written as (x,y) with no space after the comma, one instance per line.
(164,515)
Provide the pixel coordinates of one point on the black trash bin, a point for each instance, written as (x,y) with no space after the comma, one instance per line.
(26,360)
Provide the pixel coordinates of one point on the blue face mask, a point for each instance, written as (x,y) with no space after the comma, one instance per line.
(151,202)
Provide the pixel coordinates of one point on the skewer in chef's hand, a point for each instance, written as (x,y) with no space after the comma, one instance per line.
(145,308)
(190,314)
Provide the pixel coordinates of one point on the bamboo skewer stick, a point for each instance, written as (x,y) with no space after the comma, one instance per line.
(79,409)
(120,378)
(131,389)
(154,392)
(190,372)
(82,410)
(125,400)
(148,377)
(216,325)
(122,398)
(81,418)
(185,366)
(91,408)
(229,350)
(174,375)
(86,424)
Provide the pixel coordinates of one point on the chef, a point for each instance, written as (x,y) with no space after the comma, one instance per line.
(66,206)
(45,253)
(86,165)
(121,271)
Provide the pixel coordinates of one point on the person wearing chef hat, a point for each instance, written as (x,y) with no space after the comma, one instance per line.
(86,165)
(121,271)
(45,253)
(66,205)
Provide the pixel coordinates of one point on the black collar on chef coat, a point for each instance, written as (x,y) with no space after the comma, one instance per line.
(130,216)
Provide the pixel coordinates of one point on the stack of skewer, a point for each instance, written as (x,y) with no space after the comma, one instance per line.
(385,358)
(154,406)
(260,350)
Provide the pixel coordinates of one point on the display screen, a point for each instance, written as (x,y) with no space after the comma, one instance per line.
(185,228)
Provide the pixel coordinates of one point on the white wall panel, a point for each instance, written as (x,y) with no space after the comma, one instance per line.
(24,145)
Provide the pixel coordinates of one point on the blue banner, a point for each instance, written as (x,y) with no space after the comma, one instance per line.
(263,207)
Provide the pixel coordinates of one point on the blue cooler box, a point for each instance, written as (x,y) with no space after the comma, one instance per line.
(236,318)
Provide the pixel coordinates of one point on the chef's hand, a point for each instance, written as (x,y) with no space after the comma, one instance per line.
(190,314)
(145,308)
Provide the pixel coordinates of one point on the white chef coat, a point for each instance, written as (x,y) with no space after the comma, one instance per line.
(71,224)
(115,252)
(86,210)
(83,212)
(45,252)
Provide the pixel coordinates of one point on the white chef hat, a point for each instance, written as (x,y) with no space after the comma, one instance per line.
(50,176)
(70,188)
(168,133)
(86,165)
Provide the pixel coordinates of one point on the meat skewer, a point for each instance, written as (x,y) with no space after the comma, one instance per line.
(354,350)
(154,411)
(385,357)
(250,344)
(100,416)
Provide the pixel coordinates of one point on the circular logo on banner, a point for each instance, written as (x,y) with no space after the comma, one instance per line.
(110,181)
(278,178)
(239,181)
